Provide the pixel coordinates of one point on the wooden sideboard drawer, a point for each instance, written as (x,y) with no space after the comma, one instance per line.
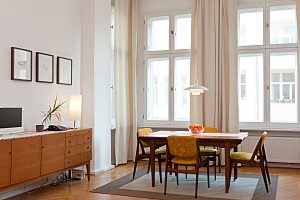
(79,139)
(79,149)
(79,132)
(78,159)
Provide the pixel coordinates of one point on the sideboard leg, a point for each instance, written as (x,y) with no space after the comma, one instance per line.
(69,174)
(88,171)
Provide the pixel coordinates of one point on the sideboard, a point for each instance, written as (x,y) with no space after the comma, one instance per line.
(28,156)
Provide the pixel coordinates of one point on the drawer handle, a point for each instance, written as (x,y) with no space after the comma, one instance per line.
(69,152)
(87,147)
(88,138)
(9,153)
(69,162)
(70,141)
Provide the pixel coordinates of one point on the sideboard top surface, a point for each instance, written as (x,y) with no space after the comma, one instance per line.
(33,134)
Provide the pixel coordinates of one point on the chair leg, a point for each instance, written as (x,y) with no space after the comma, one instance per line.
(186,170)
(148,167)
(235,171)
(219,163)
(230,172)
(135,165)
(262,168)
(176,174)
(266,166)
(166,177)
(196,185)
(268,175)
(136,160)
(208,185)
(159,168)
(215,165)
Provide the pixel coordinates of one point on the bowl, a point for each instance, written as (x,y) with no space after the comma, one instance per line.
(196,128)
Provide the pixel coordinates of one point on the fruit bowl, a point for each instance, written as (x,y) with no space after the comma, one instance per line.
(196,128)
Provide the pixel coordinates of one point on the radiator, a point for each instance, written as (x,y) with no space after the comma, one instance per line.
(278,149)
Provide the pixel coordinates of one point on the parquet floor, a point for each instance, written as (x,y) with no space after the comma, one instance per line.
(288,185)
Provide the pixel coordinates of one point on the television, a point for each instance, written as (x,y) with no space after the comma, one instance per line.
(11,120)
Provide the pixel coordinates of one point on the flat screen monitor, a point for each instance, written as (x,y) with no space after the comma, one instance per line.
(10,120)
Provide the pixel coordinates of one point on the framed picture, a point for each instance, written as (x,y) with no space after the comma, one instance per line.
(64,71)
(44,67)
(21,64)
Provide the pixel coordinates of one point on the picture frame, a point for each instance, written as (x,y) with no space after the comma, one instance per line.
(21,64)
(44,68)
(64,71)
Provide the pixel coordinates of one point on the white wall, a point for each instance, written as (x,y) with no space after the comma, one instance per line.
(95,77)
(148,8)
(49,26)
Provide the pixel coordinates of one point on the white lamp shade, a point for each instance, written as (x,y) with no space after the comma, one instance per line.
(75,107)
(196,89)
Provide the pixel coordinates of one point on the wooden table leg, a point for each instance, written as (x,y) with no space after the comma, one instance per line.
(88,171)
(152,161)
(227,166)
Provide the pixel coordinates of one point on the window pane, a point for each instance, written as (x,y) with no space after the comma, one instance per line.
(251,106)
(182,34)
(181,81)
(158,89)
(158,33)
(283,24)
(283,106)
(250,27)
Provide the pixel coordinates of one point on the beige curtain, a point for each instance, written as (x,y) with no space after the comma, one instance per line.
(214,63)
(125,81)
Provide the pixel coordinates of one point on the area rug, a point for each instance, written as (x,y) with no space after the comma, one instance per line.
(246,187)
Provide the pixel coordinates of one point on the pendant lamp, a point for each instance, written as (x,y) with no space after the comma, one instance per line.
(196,89)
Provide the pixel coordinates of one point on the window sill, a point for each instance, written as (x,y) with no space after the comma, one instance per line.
(273,132)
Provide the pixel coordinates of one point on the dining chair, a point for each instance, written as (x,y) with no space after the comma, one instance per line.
(212,152)
(257,158)
(145,153)
(184,151)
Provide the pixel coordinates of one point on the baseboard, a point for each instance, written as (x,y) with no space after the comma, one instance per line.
(102,170)
(284,165)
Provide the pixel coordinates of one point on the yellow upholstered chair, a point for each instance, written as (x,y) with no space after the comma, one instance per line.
(184,151)
(212,153)
(159,151)
(257,158)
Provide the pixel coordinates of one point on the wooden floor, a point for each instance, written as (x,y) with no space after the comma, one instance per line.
(288,185)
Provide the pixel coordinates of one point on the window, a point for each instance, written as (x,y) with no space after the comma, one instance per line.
(268,64)
(167,62)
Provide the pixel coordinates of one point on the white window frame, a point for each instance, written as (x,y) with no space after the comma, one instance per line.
(171,54)
(267,49)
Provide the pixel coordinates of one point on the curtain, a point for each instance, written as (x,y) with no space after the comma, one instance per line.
(125,78)
(214,63)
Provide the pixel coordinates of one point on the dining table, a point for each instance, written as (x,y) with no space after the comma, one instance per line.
(227,141)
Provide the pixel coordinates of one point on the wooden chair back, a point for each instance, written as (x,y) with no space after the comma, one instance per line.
(211,130)
(258,151)
(143,132)
(183,146)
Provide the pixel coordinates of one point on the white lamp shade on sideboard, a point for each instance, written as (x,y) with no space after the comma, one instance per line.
(75,107)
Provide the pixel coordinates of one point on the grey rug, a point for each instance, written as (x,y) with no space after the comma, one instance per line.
(246,187)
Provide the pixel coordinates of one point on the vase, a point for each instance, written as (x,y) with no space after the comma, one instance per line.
(39,128)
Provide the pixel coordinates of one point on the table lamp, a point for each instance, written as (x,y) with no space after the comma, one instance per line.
(75,108)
